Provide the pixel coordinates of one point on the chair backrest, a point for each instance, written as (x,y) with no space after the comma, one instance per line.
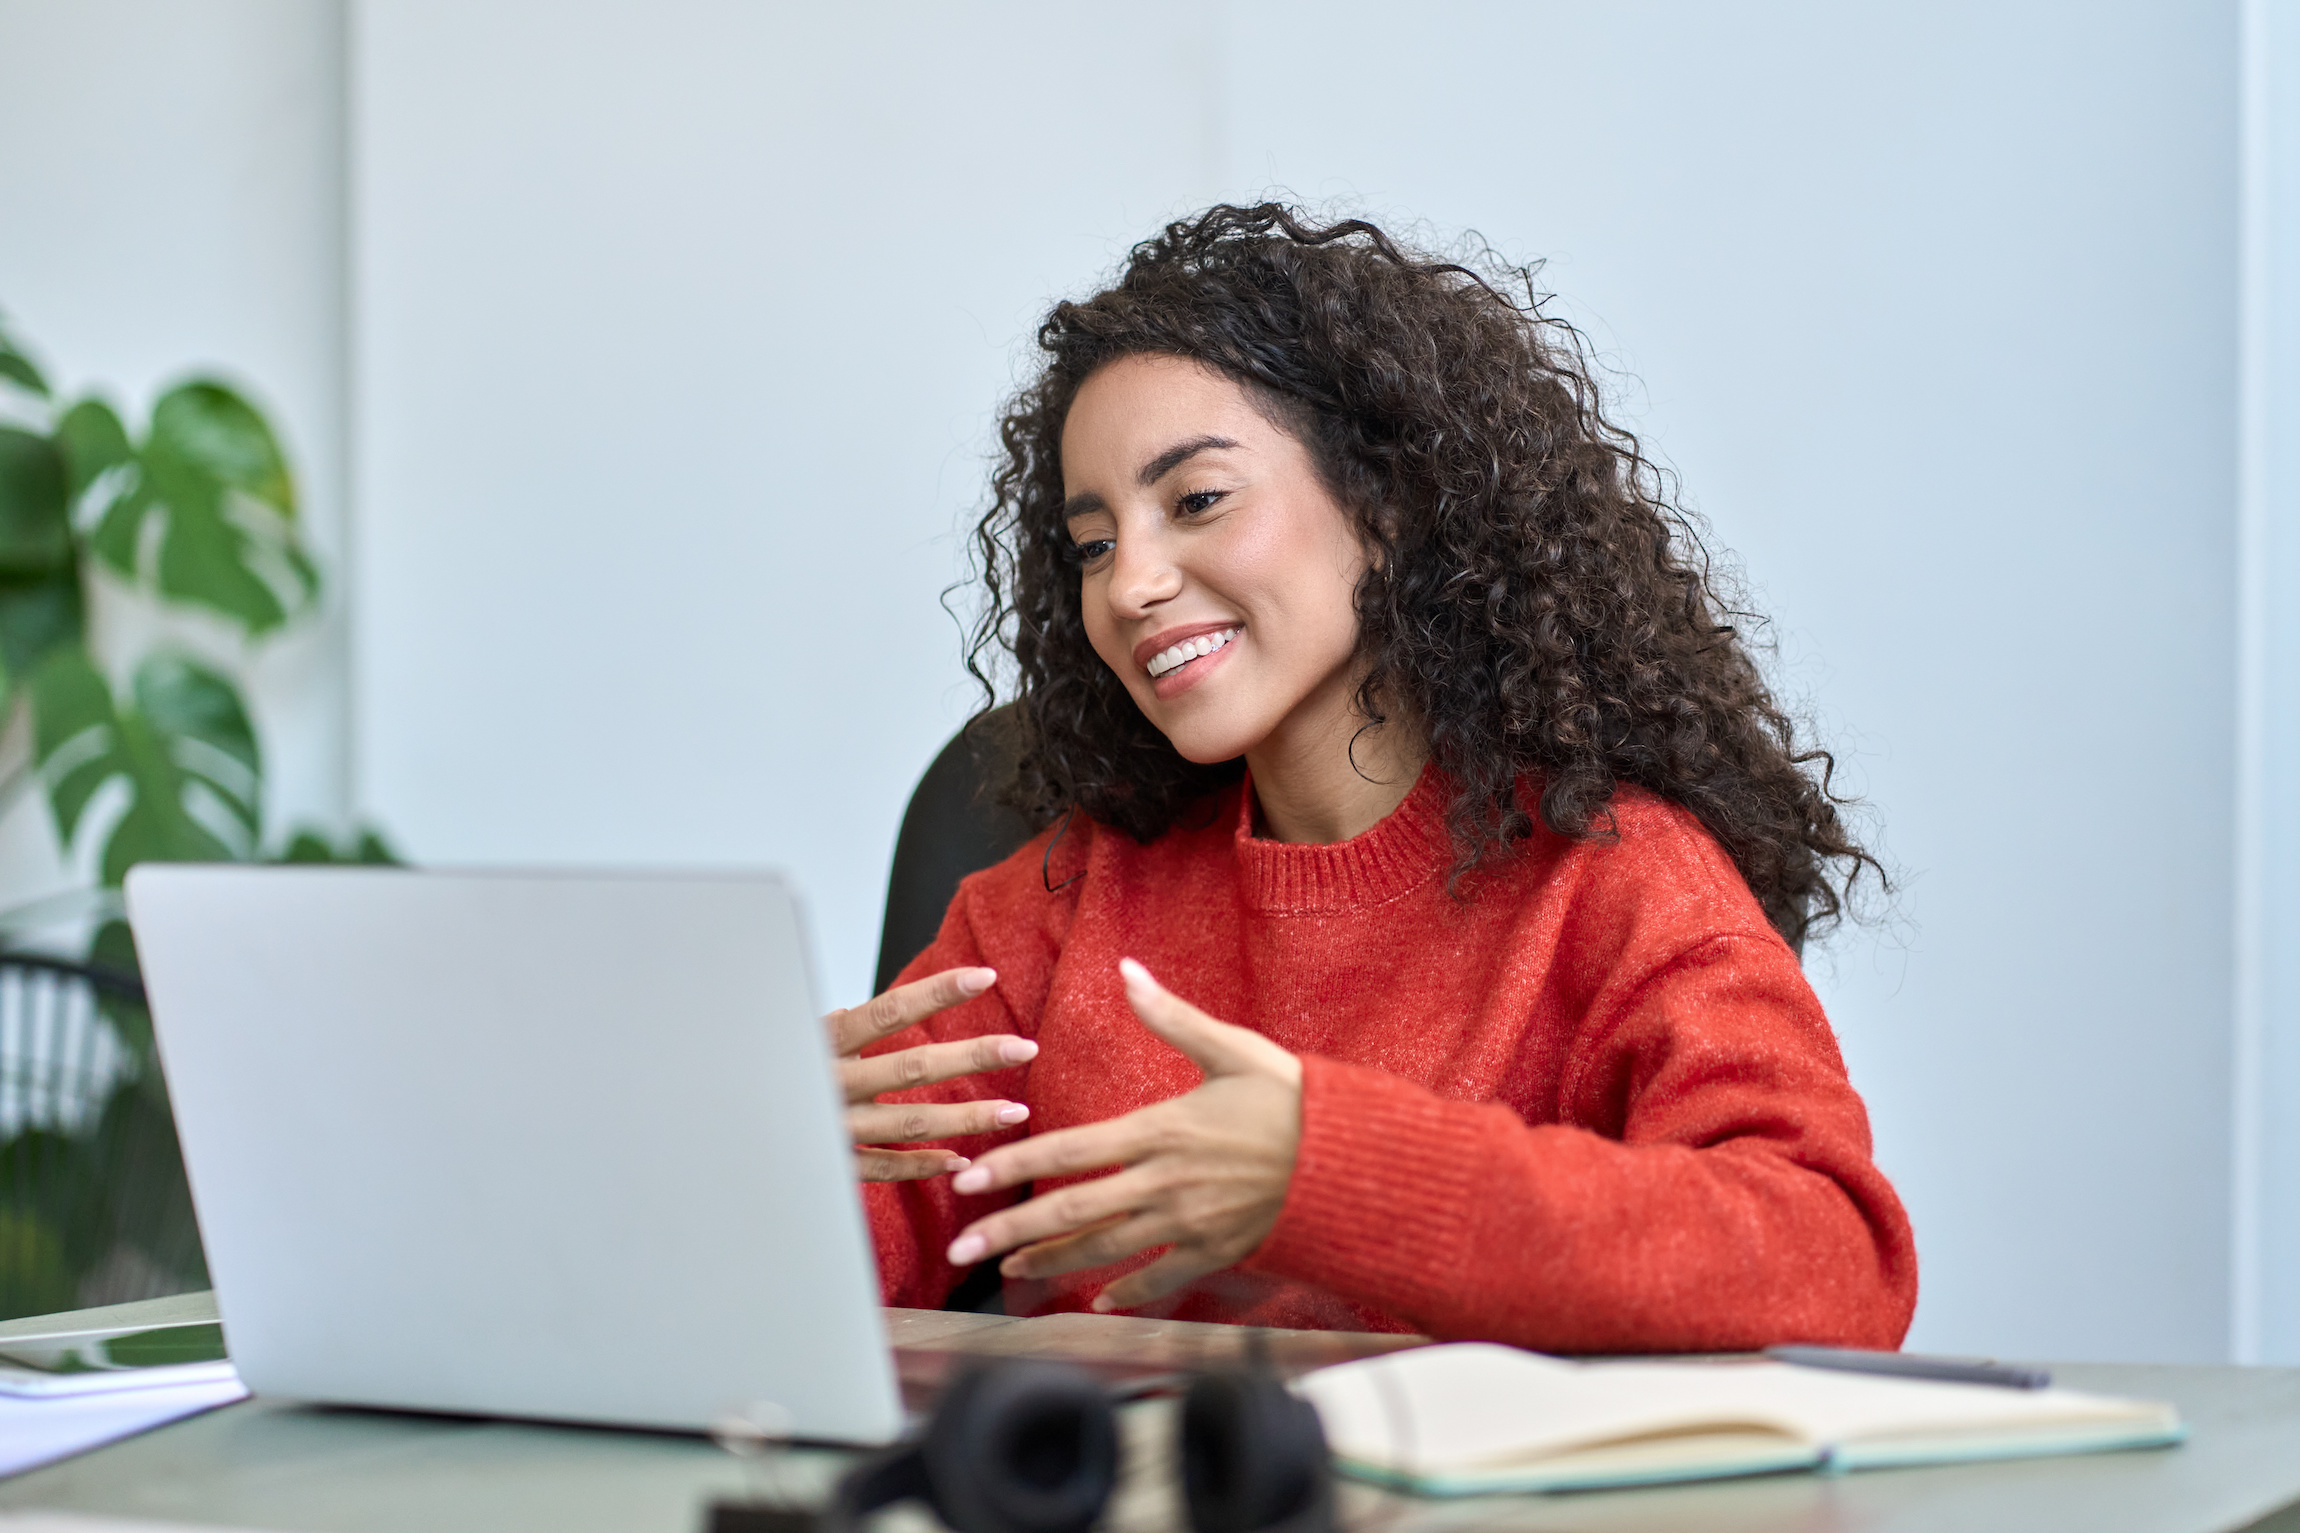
(952,828)
(94,1208)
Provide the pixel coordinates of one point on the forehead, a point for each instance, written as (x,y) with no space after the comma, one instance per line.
(1130,410)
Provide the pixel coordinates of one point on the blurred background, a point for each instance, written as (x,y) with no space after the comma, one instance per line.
(636,364)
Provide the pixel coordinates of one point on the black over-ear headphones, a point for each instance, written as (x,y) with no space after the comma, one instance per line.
(1026,1446)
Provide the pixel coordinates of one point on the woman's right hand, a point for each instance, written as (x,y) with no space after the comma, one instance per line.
(872,1123)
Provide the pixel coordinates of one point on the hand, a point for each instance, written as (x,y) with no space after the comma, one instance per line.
(1206,1173)
(871,1123)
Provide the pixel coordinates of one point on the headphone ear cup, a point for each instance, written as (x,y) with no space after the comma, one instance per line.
(1022,1447)
(1253,1457)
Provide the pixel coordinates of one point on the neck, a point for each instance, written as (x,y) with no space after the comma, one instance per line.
(1312,787)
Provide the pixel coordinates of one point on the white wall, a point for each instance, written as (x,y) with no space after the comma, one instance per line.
(677,329)
(171,201)
(2267,1193)
(678,326)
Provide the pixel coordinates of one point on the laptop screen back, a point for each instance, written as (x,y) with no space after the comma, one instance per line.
(561,1146)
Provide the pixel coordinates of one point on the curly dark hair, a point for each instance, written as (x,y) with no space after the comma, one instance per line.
(1538,606)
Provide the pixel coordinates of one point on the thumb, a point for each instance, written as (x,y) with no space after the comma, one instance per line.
(1214,1047)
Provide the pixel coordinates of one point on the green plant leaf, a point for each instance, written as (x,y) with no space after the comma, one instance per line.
(163,1345)
(18,368)
(364,848)
(41,606)
(35,1277)
(38,617)
(35,512)
(72,735)
(213,473)
(93,443)
(205,423)
(184,746)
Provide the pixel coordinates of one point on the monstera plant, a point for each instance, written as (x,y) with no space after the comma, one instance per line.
(197,509)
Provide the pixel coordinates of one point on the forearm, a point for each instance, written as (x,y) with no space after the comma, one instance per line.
(1469,1222)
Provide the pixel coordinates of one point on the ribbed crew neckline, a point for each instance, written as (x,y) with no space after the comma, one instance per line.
(1402,851)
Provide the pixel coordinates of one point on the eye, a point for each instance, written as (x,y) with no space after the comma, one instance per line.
(1198,503)
(1081,554)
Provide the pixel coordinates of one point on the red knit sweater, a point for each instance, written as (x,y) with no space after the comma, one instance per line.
(1595,1108)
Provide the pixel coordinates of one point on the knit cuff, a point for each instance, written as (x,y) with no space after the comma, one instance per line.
(1378,1209)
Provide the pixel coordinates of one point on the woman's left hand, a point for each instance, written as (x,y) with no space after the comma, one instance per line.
(1205,1173)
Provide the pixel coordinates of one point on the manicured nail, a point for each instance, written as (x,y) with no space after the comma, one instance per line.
(973,1179)
(1017,1050)
(967,1249)
(1012,1112)
(956,1163)
(1134,972)
(975,981)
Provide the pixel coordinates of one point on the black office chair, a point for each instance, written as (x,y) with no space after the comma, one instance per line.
(952,828)
(94,1208)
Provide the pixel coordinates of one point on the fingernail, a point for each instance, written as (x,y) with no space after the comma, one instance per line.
(956,1163)
(1012,1112)
(1135,972)
(975,981)
(966,1249)
(1102,1304)
(973,1179)
(1016,1050)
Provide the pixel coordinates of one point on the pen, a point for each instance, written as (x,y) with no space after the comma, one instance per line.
(1911,1365)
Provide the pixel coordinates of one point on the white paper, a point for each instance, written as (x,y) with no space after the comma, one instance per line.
(34,1432)
(73,1522)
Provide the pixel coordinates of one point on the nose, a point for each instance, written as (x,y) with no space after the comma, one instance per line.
(1142,576)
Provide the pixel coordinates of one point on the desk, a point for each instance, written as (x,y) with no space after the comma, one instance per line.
(274,1465)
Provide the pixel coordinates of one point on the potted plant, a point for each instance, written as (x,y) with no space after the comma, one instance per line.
(197,509)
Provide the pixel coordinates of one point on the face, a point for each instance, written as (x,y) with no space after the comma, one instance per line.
(1217,574)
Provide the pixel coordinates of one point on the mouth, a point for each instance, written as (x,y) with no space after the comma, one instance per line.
(1187,651)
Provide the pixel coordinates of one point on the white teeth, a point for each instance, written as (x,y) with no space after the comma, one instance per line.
(1188,650)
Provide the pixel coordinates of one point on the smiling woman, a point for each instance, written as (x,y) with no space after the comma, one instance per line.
(1371,692)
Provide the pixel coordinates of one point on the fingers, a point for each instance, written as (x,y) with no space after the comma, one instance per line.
(1087,1148)
(1176,1269)
(1050,1215)
(1098,1245)
(853,1028)
(904,1165)
(911,1122)
(932,1062)
(1214,1047)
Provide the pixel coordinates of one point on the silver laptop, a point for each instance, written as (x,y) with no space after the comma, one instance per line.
(558,1146)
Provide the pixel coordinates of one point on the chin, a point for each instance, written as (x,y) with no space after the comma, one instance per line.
(1205,743)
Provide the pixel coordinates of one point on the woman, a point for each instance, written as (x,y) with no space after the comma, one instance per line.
(1375,702)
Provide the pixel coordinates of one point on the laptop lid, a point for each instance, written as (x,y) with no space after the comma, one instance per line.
(550,1145)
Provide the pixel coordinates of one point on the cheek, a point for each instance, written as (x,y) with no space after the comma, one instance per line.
(1102,631)
(1307,584)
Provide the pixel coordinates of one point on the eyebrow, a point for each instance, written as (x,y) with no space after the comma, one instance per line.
(1086,502)
(1174,457)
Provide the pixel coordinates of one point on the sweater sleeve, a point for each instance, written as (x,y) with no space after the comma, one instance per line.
(1707,1187)
(913,1223)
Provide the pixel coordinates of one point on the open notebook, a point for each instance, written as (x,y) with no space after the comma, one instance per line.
(1473,1417)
